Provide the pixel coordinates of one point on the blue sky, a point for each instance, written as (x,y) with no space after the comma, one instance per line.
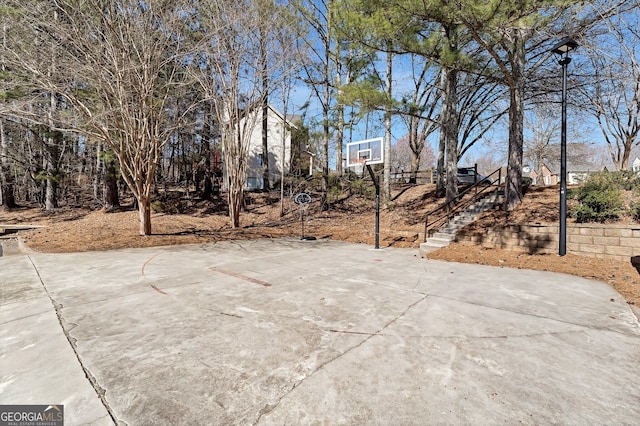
(494,145)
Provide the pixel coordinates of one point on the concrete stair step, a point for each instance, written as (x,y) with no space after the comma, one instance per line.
(457,224)
(444,236)
(449,229)
(9,246)
(438,242)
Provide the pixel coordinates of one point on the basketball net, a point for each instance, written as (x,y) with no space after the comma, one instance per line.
(358,166)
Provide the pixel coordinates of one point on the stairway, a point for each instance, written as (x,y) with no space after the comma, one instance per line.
(9,242)
(445,235)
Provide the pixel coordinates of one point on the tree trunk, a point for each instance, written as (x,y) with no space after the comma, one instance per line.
(144,214)
(207,189)
(325,143)
(440,183)
(286,89)
(324,204)
(513,189)
(111,198)
(339,110)
(415,166)
(7,183)
(415,151)
(339,138)
(50,198)
(387,128)
(205,151)
(97,173)
(51,171)
(7,195)
(266,184)
(235,201)
(449,130)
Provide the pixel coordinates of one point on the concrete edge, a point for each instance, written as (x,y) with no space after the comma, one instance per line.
(23,246)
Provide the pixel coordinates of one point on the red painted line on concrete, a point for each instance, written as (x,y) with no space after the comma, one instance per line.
(157,289)
(148,260)
(243,277)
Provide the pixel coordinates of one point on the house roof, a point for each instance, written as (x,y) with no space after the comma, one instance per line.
(552,170)
(582,167)
(291,119)
(574,167)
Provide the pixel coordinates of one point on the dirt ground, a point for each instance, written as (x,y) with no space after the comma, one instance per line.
(350,218)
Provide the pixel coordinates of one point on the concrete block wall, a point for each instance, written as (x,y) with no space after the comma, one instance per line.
(619,242)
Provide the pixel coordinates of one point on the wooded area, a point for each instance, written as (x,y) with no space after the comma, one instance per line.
(99,98)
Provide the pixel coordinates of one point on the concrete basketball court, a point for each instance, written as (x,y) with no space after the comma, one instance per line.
(274,332)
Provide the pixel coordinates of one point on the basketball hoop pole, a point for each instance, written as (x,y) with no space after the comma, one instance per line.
(303,200)
(377,185)
(364,153)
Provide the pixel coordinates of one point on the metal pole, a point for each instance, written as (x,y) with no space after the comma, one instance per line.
(376,182)
(562,244)
(377,240)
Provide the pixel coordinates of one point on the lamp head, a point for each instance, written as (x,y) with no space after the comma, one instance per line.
(565,45)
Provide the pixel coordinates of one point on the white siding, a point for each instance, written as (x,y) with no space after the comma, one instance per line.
(276,129)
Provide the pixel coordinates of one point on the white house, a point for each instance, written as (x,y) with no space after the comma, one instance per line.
(635,166)
(279,148)
(577,173)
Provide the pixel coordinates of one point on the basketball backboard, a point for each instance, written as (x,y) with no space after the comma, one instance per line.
(369,151)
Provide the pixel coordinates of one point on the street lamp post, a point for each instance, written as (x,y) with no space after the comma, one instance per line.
(563,48)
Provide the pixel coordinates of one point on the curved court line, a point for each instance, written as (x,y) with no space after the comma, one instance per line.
(144,265)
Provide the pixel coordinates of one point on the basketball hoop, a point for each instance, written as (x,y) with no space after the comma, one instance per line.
(364,153)
(303,200)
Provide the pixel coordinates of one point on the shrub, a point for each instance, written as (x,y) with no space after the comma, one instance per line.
(635,211)
(157,207)
(334,193)
(628,179)
(600,198)
(362,187)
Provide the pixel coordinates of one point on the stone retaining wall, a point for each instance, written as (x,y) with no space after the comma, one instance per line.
(619,242)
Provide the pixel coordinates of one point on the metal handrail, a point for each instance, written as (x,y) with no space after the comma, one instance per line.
(454,206)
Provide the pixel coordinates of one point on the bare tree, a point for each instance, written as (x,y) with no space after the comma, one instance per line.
(421,106)
(480,108)
(7,196)
(232,79)
(232,71)
(402,157)
(122,62)
(320,18)
(542,129)
(613,95)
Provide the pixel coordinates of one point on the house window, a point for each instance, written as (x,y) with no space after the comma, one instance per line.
(254,183)
(260,160)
